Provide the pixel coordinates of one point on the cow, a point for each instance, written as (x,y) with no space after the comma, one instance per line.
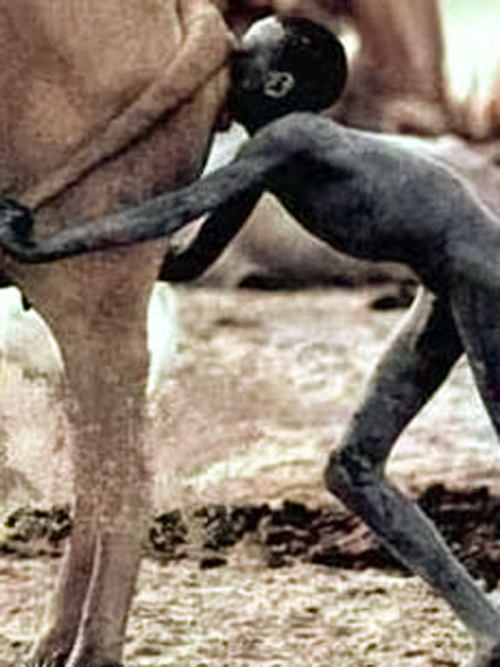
(102,105)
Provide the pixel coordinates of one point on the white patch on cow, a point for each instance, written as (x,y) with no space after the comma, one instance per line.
(163,335)
(27,341)
(225,147)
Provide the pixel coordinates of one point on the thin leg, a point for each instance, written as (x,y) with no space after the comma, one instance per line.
(414,366)
(57,643)
(106,385)
(476,313)
(116,510)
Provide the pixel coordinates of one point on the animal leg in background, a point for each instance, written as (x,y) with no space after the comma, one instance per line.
(397,82)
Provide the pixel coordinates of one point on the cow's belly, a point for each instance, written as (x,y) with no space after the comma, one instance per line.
(170,154)
(68,70)
(60,94)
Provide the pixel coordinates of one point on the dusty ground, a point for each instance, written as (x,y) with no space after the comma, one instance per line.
(264,386)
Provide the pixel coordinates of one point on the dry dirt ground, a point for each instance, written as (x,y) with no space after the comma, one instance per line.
(264,386)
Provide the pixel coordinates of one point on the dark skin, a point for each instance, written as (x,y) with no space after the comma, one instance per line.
(369,198)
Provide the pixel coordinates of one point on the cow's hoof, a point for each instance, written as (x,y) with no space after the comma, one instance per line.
(52,650)
(85,659)
(44,661)
(47,659)
(93,662)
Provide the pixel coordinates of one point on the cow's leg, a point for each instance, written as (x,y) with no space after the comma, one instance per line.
(116,508)
(106,363)
(414,366)
(56,645)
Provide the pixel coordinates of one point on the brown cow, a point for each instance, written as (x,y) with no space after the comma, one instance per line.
(102,104)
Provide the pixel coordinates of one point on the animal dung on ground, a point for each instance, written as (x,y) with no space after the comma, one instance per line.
(328,535)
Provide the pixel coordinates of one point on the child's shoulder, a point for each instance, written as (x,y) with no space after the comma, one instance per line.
(295,133)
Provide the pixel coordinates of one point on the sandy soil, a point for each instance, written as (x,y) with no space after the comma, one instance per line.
(264,386)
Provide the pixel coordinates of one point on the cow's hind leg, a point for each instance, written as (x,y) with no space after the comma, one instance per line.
(106,361)
(416,363)
(55,646)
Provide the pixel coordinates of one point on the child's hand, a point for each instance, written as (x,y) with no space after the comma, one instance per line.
(16,224)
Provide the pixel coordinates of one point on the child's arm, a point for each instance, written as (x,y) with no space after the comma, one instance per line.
(242,181)
(210,242)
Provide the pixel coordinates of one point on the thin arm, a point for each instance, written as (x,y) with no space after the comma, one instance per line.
(210,242)
(158,217)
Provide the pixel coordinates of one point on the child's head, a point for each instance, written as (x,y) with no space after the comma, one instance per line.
(285,65)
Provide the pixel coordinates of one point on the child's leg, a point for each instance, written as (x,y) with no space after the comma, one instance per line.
(415,365)
(477,314)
